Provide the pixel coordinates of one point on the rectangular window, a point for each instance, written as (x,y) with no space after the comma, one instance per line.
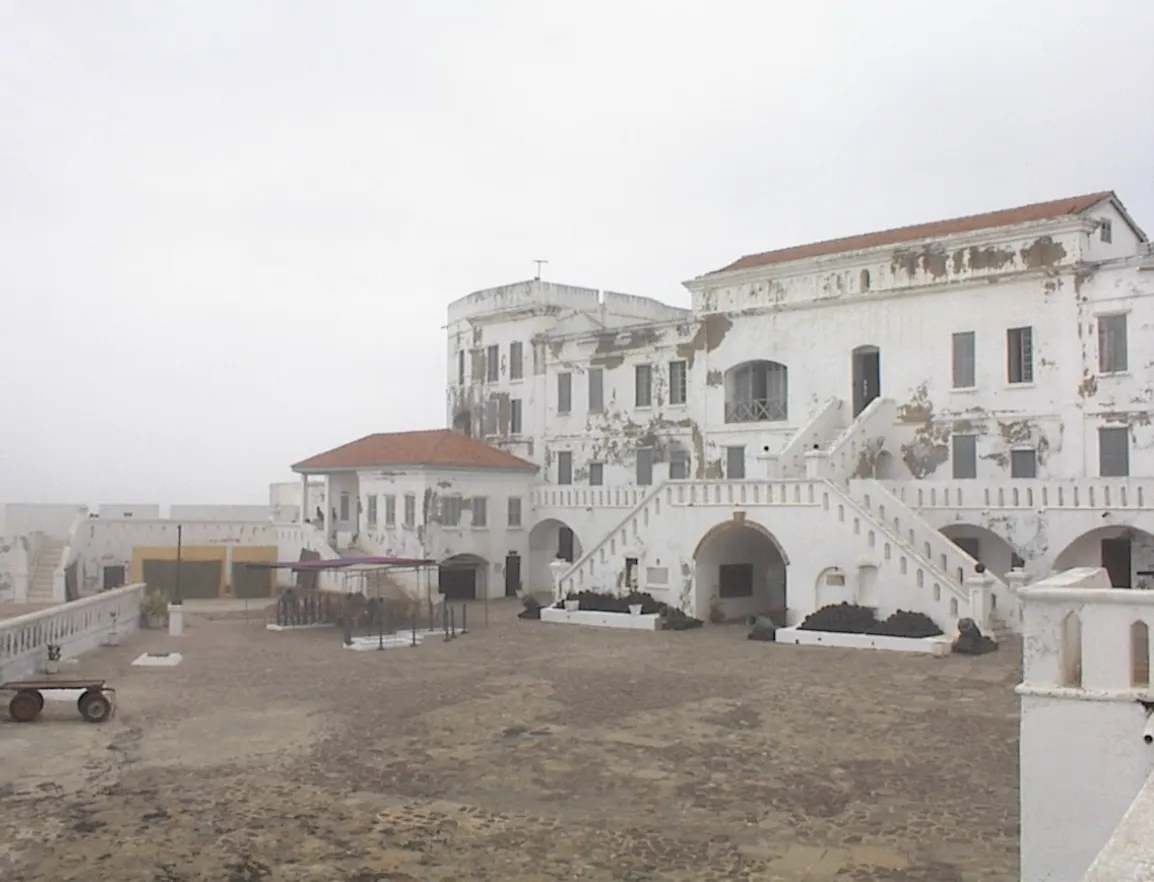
(564,467)
(564,393)
(735,463)
(493,364)
(1114,452)
(344,515)
(965,457)
(644,466)
(480,508)
(515,416)
(965,367)
(643,385)
(492,409)
(390,510)
(735,580)
(461,366)
(410,510)
(596,390)
(516,360)
(513,512)
(1023,464)
(1106,231)
(678,374)
(596,474)
(1020,355)
(1113,357)
(450,511)
(679,465)
(371,511)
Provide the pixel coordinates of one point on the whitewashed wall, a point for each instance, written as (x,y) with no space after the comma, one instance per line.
(1083,753)
(255,513)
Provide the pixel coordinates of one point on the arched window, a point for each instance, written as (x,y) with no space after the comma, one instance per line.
(757,391)
(865,279)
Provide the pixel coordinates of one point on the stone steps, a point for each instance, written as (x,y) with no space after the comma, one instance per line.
(41,587)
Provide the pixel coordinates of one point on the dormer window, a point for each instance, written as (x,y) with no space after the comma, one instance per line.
(1105,230)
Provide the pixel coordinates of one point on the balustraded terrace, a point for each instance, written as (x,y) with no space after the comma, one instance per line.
(76,627)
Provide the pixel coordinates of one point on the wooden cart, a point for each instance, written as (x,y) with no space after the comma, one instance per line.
(95,703)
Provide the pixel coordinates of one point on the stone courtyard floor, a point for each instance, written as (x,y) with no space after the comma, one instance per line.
(521,751)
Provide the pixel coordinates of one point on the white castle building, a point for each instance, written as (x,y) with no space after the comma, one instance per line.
(863,419)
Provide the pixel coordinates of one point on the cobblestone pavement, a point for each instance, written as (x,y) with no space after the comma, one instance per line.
(524,751)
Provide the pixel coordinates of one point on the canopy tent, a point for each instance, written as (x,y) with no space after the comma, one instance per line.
(343,562)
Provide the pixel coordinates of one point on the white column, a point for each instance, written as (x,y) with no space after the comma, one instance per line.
(304,499)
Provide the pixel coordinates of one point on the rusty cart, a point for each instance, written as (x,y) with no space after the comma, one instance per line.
(95,703)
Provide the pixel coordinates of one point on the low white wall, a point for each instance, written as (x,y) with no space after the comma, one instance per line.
(1083,755)
(254,513)
(76,627)
(16,563)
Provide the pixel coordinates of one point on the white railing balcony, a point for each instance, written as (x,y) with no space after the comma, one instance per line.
(75,627)
(755,410)
(572,496)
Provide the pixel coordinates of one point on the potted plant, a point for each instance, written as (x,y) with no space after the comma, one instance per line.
(572,604)
(635,601)
(154,609)
(52,666)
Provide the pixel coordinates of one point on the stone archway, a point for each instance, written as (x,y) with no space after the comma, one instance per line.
(548,539)
(984,546)
(740,569)
(1126,553)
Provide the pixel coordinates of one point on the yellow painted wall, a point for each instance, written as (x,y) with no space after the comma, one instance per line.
(240,554)
(168,552)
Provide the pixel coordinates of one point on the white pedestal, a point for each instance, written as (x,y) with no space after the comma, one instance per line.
(175,620)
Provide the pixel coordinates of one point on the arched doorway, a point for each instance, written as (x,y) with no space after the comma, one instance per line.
(463,577)
(985,546)
(740,570)
(549,539)
(1125,553)
(867,376)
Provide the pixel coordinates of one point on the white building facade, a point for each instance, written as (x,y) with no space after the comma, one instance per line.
(865,419)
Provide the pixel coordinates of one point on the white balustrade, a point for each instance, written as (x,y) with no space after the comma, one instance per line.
(920,535)
(1091,493)
(571,496)
(76,627)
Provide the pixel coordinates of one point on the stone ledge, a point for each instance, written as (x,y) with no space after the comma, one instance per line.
(935,646)
(599,619)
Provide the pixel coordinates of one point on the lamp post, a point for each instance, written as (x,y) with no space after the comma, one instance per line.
(176,605)
(557,568)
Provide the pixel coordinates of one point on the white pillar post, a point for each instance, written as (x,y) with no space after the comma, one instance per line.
(304,499)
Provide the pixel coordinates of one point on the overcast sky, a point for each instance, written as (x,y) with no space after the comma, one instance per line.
(229,229)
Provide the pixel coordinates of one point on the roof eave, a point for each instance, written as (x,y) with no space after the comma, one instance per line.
(786,267)
(329,470)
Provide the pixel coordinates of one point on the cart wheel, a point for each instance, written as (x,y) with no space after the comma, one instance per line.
(25,706)
(38,695)
(94,707)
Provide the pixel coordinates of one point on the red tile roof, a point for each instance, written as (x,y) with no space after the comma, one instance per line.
(433,448)
(1039,211)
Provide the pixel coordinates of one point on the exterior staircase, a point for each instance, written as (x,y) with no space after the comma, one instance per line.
(42,585)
